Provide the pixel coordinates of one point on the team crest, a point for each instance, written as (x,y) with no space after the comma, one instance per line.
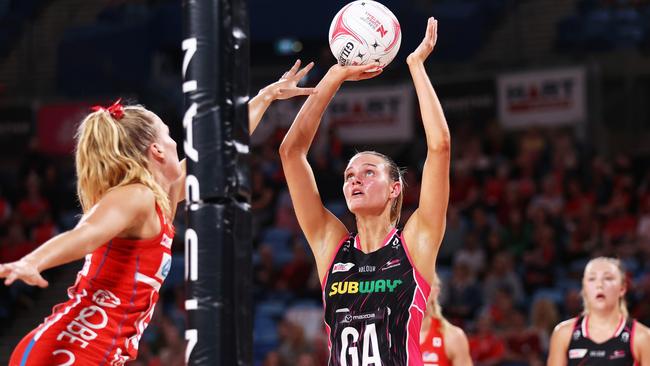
(625,337)
(576,334)
(106,299)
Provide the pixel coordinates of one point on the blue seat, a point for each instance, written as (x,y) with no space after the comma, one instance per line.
(270,309)
(554,294)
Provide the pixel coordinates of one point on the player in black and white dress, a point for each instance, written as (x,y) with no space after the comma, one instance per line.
(604,334)
(375,282)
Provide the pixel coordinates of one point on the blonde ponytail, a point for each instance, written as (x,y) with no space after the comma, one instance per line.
(111,153)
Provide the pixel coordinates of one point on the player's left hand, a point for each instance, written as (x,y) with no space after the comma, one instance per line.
(428,43)
(287,86)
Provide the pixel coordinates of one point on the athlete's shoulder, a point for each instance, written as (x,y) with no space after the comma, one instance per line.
(641,340)
(455,334)
(134,196)
(565,328)
(457,345)
(641,333)
(133,190)
(456,337)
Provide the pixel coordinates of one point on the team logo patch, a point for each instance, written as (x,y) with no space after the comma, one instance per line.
(577,353)
(597,353)
(165,266)
(395,243)
(363,287)
(342,267)
(106,299)
(430,357)
(390,264)
(166,241)
(617,354)
(367,269)
(437,342)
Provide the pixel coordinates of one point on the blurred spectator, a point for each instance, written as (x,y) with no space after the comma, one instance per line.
(455,232)
(572,303)
(266,275)
(32,207)
(544,316)
(550,199)
(272,359)
(540,259)
(462,294)
(472,254)
(502,275)
(15,244)
(523,343)
(486,346)
(5,209)
(262,199)
(292,342)
(296,273)
(44,230)
(501,308)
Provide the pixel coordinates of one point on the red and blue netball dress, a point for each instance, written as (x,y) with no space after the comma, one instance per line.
(374,305)
(433,347)
(111,304)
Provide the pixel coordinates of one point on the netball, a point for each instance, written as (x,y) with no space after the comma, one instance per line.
(364,32)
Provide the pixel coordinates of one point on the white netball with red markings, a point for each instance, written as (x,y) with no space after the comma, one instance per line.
(365,32)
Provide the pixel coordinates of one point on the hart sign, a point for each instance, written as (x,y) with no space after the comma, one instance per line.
(542,98)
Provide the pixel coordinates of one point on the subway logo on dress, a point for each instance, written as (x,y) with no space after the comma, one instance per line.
(363,287)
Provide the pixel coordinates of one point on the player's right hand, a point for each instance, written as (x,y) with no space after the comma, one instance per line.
(355,73)
(22,270)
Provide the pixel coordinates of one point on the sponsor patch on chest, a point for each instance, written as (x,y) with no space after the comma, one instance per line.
(577,353)
(342,267)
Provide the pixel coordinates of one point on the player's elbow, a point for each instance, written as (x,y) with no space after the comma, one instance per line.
(440,146)
(289,150)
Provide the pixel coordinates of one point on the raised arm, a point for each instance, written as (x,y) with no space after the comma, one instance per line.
(425,228)
(286,87)
(117,212)
(321,228)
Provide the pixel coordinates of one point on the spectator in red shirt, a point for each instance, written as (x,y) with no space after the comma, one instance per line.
(34,206)
(486,347)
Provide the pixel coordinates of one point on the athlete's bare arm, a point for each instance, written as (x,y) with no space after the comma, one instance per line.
(321,227)
(425,228)
(457,346)
(557,354)
(122,211)
(285,88)
(641,346)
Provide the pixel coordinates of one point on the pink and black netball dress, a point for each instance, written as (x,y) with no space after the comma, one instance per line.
(616,351)
(374,304)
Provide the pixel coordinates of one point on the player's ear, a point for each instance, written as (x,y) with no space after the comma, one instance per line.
(156,151)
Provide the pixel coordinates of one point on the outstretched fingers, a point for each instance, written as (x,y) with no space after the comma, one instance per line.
(295,67)
(304,70)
